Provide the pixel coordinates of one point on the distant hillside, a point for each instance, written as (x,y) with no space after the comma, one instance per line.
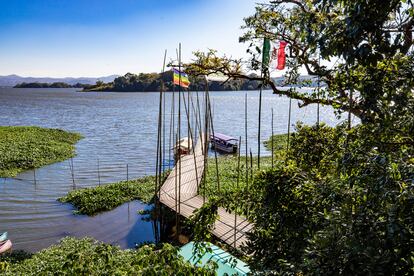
(148,82)
(12,80)
(50,85)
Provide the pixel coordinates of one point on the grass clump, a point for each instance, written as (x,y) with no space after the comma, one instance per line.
(236,195)
(89,257)
(24,148)
(279,142)
(91,201)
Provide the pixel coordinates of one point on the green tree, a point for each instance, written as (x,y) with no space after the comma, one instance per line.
(342,204)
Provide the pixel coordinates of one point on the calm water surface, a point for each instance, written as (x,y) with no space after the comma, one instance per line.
(120,129)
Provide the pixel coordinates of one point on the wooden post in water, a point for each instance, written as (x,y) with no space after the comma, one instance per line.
(206,128)
(273,150)
(245,133)
(259,128)
(99,175)
(34,176)
(238,180)
(127,172)
(179,136)
(176,196)
(161,150)
(215,148)
(251,167)
(288,137)
(72,172)
(199,117)
(319,87)
(190,134)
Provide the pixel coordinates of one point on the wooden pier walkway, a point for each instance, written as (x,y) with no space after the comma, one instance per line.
(185,200)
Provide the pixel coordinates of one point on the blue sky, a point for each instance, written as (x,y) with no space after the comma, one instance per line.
(101,37)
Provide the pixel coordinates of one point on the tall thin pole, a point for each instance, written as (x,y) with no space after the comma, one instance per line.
(259,129)
(251,168)
(289,116)
(206,123)
(72,172)
(176,192)
(192,140)
(319,87)
(99,174)
(245,133)
(162,142)
(273,150)
(179,132)
(127,172)
(215,148)
(238,180)
(34,176)
(199,116)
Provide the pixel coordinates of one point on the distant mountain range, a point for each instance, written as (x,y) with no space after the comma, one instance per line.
(12,80)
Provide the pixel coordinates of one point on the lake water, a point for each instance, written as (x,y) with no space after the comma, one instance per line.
(120,129)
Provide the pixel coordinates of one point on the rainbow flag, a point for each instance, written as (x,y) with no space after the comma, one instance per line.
(184,78)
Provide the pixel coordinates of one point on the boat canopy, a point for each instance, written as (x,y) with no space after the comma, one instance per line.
(223,137)
(227,263)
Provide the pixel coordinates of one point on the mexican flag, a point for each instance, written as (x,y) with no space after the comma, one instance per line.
(274,56)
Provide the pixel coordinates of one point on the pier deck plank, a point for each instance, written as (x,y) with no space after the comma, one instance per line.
(184,198)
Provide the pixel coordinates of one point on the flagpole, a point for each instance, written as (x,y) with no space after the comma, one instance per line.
(179,133)
(317,112)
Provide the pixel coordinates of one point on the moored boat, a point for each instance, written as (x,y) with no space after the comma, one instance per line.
(224,143)
(6,246)
(183,146)
(3,237)
(227,264)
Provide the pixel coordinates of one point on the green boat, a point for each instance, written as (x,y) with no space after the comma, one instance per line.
(3,237)
(227,263)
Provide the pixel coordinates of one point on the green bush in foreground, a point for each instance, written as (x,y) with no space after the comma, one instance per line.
(89,257)
(91,201)
(23,148)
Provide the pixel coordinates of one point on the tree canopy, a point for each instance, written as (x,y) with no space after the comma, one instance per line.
(341,201)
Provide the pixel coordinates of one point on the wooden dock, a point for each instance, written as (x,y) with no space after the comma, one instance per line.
(184,199)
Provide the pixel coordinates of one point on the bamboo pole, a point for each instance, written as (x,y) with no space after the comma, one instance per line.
(215,148)
(127,172)
(206,128)
(72,172)
(319,87)
(273,150)
(289,116)
(162,143)
(259,128)
(34,176)
(245,133)
(238,180)
(179,132)
(99,174)
(199,118)
(190,132)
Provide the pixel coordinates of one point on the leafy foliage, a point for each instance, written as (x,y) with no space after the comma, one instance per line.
(91,201)
(315,148)
(89,257)
(50,85)
(341,207)
(150,82)
(23,148)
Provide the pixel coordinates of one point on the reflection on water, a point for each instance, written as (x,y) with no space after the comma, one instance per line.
(120,129)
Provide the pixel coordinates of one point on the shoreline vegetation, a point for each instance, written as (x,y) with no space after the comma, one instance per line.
(90,257)
(94,200)
(150,82)
(51,85)
(29,147)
